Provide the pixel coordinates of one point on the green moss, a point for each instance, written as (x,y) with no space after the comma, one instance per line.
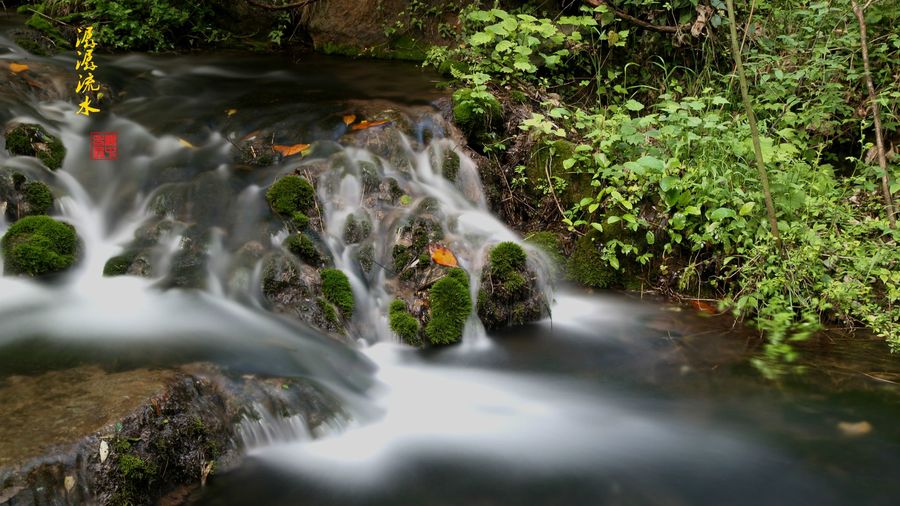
(300,220)
(450,165)
(507,258)
(396,191)
(402,256)
(33,140)
(451,305)
(305,249)
(31,45)
(336,289)
(588,267)
(366,257)
(290,194)
(118,265)
(136,469)
(38,197)
(356,229)
(329,311)
(404,324)
(38,245)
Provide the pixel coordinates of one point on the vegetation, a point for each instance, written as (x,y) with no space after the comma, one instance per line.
(671,156)
(33,140)
(336,290)
(289,195)
(305,249)
(451,305)
(118,265)
(403,323)
(39,245)
(38,197)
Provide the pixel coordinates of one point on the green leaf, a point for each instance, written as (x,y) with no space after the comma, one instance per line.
(504,45)
(613,219)
(614,262)
(650,237)
(746,209)
(634,105)
(597,227)
(481,38)
(721,213)
(667,183)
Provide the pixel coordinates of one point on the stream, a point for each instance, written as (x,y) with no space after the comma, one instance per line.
(618,398)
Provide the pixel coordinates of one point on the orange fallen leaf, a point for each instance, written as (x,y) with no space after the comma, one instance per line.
(362,125)
(290,150)
(185,143)
(349,118)
(442,256)
(17,67)
(703,307)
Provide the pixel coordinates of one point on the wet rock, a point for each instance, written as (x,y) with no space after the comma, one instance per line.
(357,228)
(33,140)
(509,293)
(293,288)
(130,263)
(22,197)
(160,429)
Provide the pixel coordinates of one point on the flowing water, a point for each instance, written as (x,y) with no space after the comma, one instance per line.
(616,400)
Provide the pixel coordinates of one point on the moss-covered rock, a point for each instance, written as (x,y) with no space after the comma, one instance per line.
(357,229)
(300,220)
(305,249)
(33,140)
(118,265)
(336,289)
(450,165)
(38,197)
(587,265)
(290,194)
(451,305)
(509,293)
(404,324)
(475,112)
(39,245)
(549,159)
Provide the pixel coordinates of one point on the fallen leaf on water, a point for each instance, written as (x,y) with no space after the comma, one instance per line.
(855,429)
(104,451)
(185,143)
(442,256)
(349,118)
(17,67)
(290,150)
(231,112)
(703,307)
(362,125)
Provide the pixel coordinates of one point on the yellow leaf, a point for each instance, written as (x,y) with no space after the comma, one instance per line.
(185,143)
(442,256)
(17,67)
(231,112)
(290,150)
(349,118)
(362,125)
(855,429)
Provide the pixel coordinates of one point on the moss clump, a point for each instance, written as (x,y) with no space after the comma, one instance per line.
(402,256)
(356,229)
(136,469)
(366,257)
(38,245)
(404,324)
(329,312)
(475,111)
(507,258)
(588,267)
(38,197)
(450,307)
(305,249)
(33,140)
(118,265)
(290,194)
(300,220)
(450,165)
(336,289)
(549,243)
(395,190)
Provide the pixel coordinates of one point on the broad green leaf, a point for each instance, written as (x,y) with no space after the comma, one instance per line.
(746,209)
(721,213)
(480,38)
(634,105)
(667,183)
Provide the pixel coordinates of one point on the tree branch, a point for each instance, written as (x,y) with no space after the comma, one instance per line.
(640,22)
(302,3)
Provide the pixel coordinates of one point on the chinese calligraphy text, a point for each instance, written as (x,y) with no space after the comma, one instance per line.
(87,86)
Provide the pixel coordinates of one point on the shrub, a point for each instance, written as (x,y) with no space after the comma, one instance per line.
(450,307)
(403,323)
(290,194)
(38,245)
(336,289)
